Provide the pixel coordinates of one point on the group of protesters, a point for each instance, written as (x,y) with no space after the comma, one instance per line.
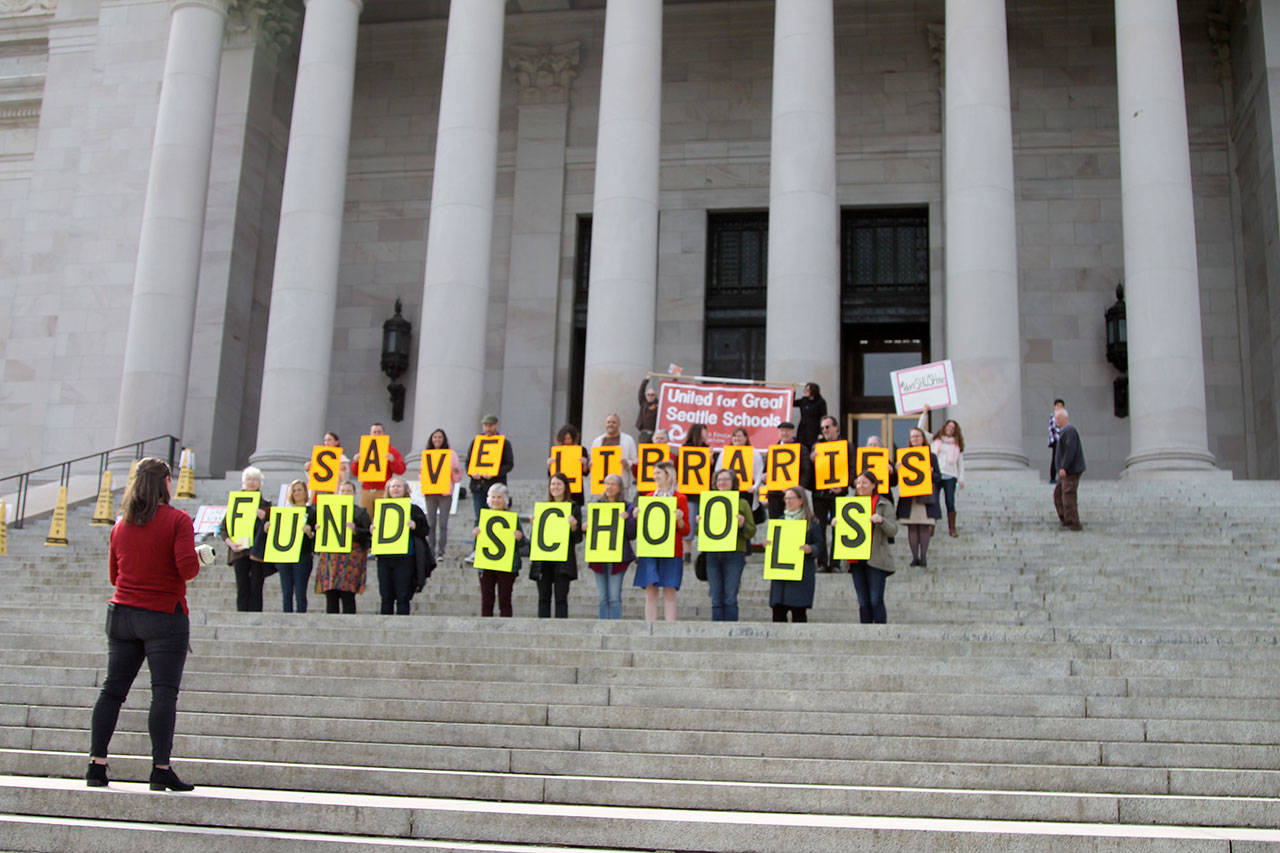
(340,577)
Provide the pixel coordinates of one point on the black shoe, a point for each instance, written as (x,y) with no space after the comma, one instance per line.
(924,564)
(167,779)
(915,561)
(96,775)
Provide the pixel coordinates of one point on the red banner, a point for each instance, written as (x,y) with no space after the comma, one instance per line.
(723,408)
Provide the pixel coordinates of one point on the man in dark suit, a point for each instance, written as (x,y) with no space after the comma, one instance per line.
(1068,459)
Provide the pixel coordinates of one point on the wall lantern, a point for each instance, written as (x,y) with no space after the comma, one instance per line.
(397,336)
(1118,352)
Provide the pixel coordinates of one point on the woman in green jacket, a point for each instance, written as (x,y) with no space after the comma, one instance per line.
(724,568)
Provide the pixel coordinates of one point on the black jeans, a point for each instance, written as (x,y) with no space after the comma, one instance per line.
(548,582)
(798,614)
(395,583)
(248,584)
(332,597)
(134,635)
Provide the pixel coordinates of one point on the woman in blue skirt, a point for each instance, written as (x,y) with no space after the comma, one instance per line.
(654,573)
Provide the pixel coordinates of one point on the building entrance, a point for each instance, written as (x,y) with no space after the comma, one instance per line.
(884,307)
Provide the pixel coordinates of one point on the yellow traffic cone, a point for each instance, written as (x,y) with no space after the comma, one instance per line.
(102,511)
(128,484)
(58,524)
(186,476)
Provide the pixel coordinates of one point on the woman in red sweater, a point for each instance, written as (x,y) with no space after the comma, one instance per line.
(151,558)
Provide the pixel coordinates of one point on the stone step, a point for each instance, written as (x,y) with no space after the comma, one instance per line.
(431,741)
(991,804)
(598,825)
(521,782)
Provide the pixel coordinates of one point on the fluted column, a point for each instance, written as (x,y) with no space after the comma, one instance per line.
(157,355)
(624,226)
(802,337)
(455,300)
(304,288)
(1167,423)
(983,341)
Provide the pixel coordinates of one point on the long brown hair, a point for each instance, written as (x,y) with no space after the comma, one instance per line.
(149,489)
(942,433)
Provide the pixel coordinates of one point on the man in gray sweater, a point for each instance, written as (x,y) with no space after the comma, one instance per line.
(1069,461)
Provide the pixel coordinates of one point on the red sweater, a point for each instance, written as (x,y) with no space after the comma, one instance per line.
(150,565)
(395,465)
(683,528)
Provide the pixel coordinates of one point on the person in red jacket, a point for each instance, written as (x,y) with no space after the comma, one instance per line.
(151,557)
(372,491)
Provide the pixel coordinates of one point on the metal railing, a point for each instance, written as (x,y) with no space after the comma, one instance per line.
(64,470)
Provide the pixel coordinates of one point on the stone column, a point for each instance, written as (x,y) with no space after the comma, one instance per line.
(1168,430)
(157,354)
(304,289)
(542,76)
(983,341)
(802,338)
(624,226)
(455,299)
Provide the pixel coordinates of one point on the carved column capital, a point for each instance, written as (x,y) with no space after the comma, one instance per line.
(27,7)
(274,23)
(543,73)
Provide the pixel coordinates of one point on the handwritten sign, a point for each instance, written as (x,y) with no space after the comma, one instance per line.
(932,385)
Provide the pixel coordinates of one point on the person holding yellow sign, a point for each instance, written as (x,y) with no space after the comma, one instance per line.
(747,460)
(574,464)
(553,562)
(626,454)
(724,568)
(665,573)
(438,505)
(243,531)
(338,474)
(402,568)
(376,463)
(609,575)
(341,576)
(498,582)
(489,461)
(921,512)
(296,575)
(794,597)
(869,575)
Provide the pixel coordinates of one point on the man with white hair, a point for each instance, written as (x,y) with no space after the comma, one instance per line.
(1068,460)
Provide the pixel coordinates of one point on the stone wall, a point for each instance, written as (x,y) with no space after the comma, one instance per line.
(65,335)
(1255,98)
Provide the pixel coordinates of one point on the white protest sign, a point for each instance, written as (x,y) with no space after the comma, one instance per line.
(932,385)
(208,518)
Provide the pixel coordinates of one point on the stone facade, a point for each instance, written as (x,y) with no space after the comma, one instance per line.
(74,165)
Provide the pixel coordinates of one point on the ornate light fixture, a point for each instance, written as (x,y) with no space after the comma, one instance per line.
(397,336)
(1118,352)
